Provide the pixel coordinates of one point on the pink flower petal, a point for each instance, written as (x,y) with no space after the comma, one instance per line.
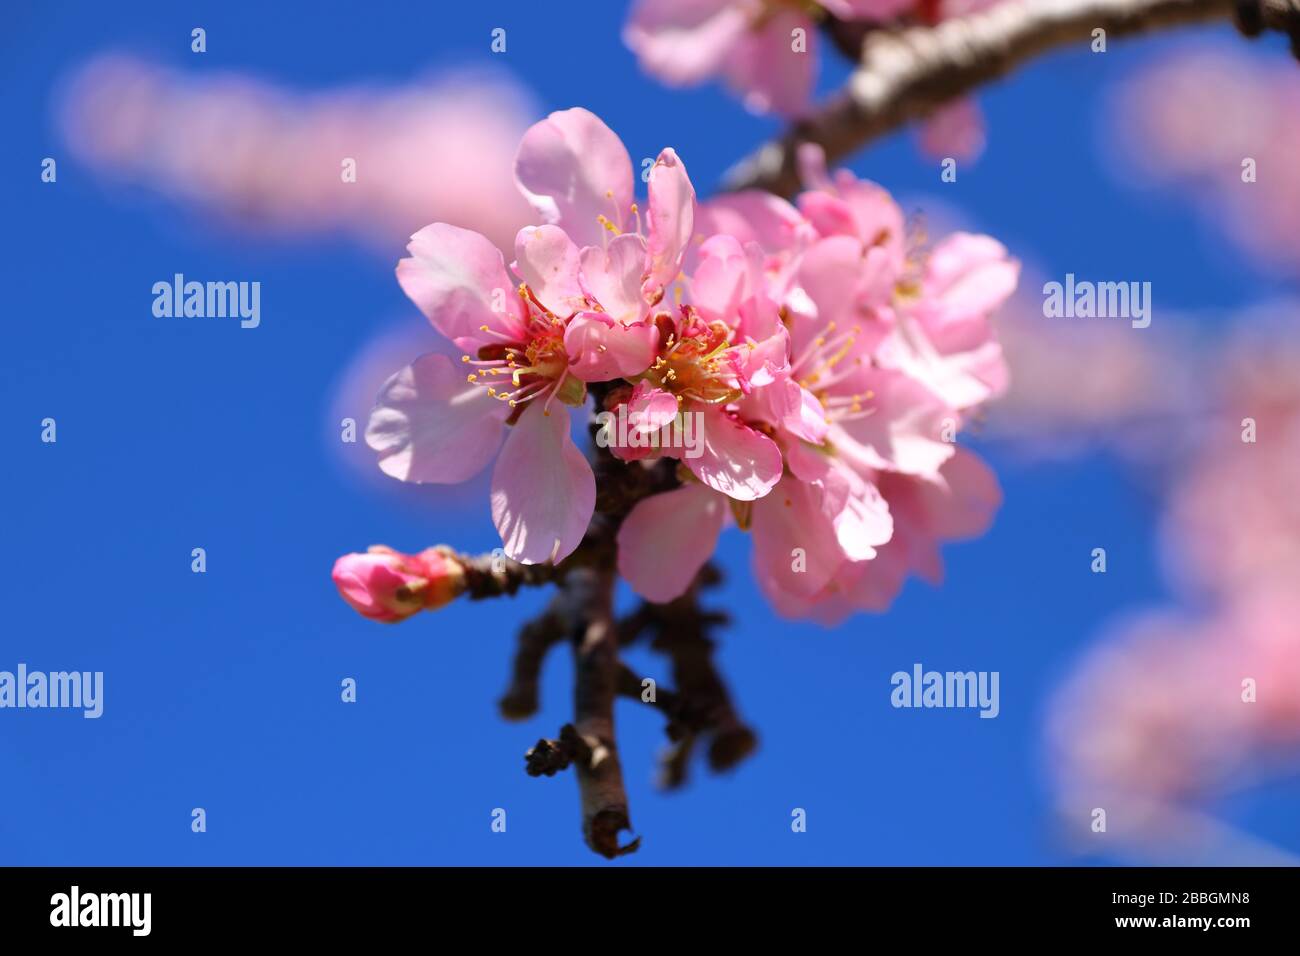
(459,281)
(671,222)
(967,277)
(831,305)
(650,409)
(795,546)
(829,214)
(737,460)
(543,489)
(612,276)
(811,162)
(960,503)
(547,261)
(808,419)
(667,538)
(849,285)
(430,425)
(906,430)
(829,274)
(807,462)
(858,586)
(601,349)
(955,129)
(768,72)
(880,220)
(574,169)
(684,41)
(858,512)
(753,216)
(767,362)
(968,376)
(720,279)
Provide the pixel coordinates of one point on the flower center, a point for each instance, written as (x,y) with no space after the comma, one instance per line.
(519,371)
(827,361)
(699,362)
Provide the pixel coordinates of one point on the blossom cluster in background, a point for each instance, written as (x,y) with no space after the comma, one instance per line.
(273,160)
(1158,117)
(1183,705)
(1084,387)
(826,355)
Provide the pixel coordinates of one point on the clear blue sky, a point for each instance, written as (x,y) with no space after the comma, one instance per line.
(222,689)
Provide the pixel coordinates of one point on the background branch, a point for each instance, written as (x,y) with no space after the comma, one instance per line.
(536,638)
(906,73)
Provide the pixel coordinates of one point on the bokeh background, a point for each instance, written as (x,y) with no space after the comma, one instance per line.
(222,690)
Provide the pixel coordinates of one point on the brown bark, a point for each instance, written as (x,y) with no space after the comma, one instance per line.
(596,676)
(905,74)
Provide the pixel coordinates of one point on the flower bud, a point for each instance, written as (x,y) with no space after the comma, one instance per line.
(386,585)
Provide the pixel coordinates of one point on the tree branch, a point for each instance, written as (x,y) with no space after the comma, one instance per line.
(536,638)
(701,706)
(596,669)
(494,575)
(582,611)
(906,73)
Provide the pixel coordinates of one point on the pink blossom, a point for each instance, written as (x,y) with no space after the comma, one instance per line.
(256,154)
(1241,174)
(751,45)
(1172,712)
(954,130)
(591,306)
(578,314)
(1233,518)
(861,354)
(748,43)
(1178,707)
(386,585)
(794,361)
(957,504)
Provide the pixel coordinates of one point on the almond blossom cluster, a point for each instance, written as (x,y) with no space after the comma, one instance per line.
(826,357)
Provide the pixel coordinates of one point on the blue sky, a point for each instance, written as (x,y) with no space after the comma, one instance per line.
(222,689)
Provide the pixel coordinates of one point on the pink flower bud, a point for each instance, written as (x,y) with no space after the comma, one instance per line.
(386,585)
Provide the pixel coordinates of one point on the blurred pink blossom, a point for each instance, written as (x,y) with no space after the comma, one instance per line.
(1155,130)
(1180,707)
(766,51)
(272,159)
(1080,386)
(1234,515)
(955,130)
(1173,711)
